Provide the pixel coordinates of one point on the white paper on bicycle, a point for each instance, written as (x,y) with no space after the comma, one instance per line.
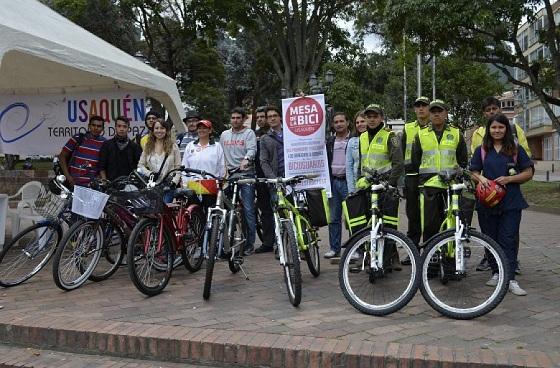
(88,202)
(305,152)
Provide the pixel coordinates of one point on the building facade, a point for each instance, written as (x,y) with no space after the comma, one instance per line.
(543,138)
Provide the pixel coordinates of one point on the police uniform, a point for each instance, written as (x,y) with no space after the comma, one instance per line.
(433,152)
(412,192)
(380,150)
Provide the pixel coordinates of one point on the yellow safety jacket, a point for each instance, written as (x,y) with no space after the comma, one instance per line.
(438,156)
(411,129)
(375,155)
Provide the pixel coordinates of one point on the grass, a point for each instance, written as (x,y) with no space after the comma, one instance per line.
(542,194)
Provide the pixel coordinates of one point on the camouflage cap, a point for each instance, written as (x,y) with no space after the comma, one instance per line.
(438,103)
(374,108)
(422,100)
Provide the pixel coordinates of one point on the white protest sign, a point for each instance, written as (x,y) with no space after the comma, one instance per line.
(305,151)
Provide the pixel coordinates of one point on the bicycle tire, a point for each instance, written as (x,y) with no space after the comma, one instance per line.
(211,260)
(238,236)
(145,235)
(259,229)
(70,269)
(191,251)
(112,253)
(30,239)
(391,276)
(430,287)
(292,269)
(311,253)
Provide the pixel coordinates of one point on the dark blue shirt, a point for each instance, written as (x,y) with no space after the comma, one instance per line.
(496,165)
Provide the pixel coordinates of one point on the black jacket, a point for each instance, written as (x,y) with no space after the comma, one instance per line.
(117,163)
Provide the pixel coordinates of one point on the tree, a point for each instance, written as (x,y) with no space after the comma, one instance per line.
(107,19)
(482,31)
(295,32)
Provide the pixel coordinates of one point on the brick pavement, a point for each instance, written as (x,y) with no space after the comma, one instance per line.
(251,323)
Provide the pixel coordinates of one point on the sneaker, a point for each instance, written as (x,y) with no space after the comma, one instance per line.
(248,251)
(484,265)
(494,280)
(518,269)
(331,254)
(263,249)
(354,257)
(406,261)
(515,289)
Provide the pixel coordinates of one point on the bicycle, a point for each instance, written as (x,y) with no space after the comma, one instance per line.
(450,283)
(98,236)
(294,233)
(164,230)
(370,274)
(31,249)
(224,235)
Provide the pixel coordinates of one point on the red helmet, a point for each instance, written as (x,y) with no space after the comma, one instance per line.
(490,195)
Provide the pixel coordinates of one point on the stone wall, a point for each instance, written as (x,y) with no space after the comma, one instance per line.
(12,180)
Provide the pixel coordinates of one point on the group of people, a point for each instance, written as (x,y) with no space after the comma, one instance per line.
(427,146)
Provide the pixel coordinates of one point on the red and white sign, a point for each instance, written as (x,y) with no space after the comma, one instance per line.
(305,116)
(305,151)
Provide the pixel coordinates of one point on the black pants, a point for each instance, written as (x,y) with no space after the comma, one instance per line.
(412,193)
(434,210)
(267,218)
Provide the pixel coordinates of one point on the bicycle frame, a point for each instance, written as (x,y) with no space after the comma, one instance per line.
(453,220)
(173,220)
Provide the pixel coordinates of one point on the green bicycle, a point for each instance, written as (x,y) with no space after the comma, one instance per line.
(295,233)
(450,283)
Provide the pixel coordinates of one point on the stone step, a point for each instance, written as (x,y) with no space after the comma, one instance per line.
(19,357)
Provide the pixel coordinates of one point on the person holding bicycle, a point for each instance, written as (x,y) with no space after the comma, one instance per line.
(380,150)
(205,154)
(499,158)
(240,147)
(436,148)
(271,158)
(353,151)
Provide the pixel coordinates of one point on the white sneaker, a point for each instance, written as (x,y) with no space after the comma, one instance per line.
(331,254)
(493,281)
(355,257)
(515,289)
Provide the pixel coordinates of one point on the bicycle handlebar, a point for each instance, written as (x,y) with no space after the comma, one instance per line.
(292,179)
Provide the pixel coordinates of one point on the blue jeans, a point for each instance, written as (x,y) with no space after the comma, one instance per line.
(247,194)
(339,191)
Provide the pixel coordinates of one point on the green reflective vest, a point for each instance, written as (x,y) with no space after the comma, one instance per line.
(375,155)
(438,156)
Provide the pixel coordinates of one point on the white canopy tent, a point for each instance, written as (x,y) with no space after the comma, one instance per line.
(42,52)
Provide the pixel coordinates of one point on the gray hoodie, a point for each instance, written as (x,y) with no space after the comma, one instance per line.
(237,146)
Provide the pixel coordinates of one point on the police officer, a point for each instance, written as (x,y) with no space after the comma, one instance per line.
(380,150)
(411,179)
(436,148)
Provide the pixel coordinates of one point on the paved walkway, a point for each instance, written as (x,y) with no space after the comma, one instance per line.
(252,323)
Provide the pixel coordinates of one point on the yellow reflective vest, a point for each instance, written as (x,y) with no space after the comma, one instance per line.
(438,156)
(375,155)
(411,129)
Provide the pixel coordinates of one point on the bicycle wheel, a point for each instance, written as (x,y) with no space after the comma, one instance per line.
(112,253)
(28,252)
(464,295)
(292,271)
(312,257)
(382,291)
(191,251)
(142,253)
(78,254)
(258,215)
(211,260)
(237,242)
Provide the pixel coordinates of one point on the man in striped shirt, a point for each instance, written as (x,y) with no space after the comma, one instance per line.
(80,155)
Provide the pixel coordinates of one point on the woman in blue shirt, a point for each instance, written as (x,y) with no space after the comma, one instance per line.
(500,159)
(353,151)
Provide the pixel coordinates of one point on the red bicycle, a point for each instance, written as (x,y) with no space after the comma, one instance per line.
(164,230)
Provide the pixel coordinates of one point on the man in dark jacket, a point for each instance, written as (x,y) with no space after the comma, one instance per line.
(119,156)
(263,194)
